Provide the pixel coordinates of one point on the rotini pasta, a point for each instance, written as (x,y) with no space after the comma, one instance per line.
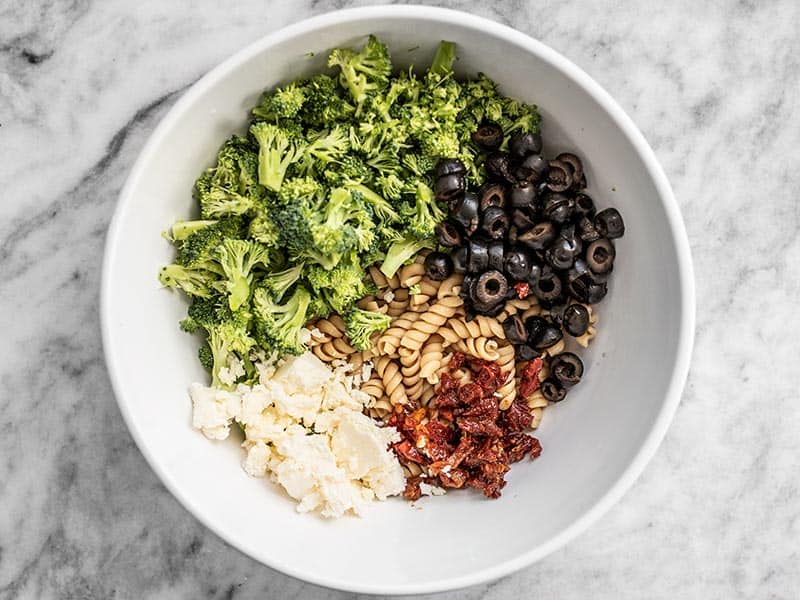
(399,302)
(411,274)
(450,286)
(431,358)
(389,341)
(410,368)
(336,349)
(429,322)
(480,347)
(507,360)
(389,371)
(381,281)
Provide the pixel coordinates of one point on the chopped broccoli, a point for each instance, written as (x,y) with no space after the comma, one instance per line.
(324,103)
(277,150)
(278,326)
(362,73)
(401,251)
(237,259)
(443,60)
(341,286)
(183,229)
(425,215)
(277,283)
(360,325)
(283,103)
(195,282)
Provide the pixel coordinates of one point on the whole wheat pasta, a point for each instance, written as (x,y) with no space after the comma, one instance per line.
(450,286)
(459,328)
(410,368)
(336,349)
(532,311)
(515,305)
(333,326)
(379,409)
(411,274)
(373,386)
(416,301)
(556,348)
(537,400)
(430,359)
(428,393)
(372,304)
(381,281)
(392,380)
(507,360)
(479,347)
(399,303)
(583,340)
(429,322)
(389,341)
(429,287)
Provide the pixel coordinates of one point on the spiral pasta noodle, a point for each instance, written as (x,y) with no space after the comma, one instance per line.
(399,302)
(389,341)
(411,274)
(450,286)
(429,322)
(431,358)
(335,349)
(459,329)
(410,368)
(479,347)
(381,281)
(507,361)
(389,371)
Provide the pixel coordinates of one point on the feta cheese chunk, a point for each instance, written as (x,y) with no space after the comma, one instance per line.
(214,410)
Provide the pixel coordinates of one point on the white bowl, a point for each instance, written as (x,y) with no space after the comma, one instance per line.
(595,444)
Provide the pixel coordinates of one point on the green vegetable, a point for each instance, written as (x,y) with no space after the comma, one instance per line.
(360,325)
(334,175)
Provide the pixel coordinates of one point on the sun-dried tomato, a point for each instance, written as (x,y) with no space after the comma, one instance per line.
(517,417)
(438,436)
(537,449)
(448,399)
(457,361)
(408,451)
(529,382)
(517,445)
(479,426)
(470,393)
(486,408)
(453,478)
(413,491)
(489,377)
(523,289)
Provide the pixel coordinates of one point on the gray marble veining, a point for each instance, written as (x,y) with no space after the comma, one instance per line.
(714,87)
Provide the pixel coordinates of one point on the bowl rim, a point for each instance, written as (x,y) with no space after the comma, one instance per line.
(655,172)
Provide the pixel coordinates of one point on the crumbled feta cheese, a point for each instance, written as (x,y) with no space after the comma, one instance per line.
(235,369)
(304,425)
(431,490)
(214,410)
(388,296)
(316,333)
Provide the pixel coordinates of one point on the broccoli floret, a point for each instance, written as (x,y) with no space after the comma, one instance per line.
(263,229)
(444,58)
(183,229)
(229,342)
(318,307)
(324,148)
(360,325)
(321,232)
(401,251)
(237,259)
(391,186)
(196,250)
(341,286)
(231,187)
(422,219)
(382,209)
(364,72)
(348,170)
(202,314)
(277,326)
(195,282)
(277,283)
(324,104)
(284,103)
(277,150)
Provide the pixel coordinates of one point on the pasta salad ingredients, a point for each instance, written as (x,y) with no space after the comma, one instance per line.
(304,426)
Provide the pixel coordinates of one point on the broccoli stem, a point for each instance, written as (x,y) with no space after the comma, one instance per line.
(401,251)
(183,229)
(443,60)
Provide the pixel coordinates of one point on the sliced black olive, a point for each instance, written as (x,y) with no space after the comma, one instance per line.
(557,313)
(523,195)
(449,233)
(539,236)
(575,319)
(563,252)
(586,230)
(523,218)
(523,143)
(488,310)
(525,352)
(513,231)
(495,222)
(535,274)
(552,390)
(533,168)
(567,368)
(466,213)
(459,257)
(466,288)
(496,255)
(600,256)
(478,256)
(490,288)
(518,264)
(559,176)
(548,287)
(585,290)
(492,194)
(449,187)
(450,166)
(578,269)
(489,136)
(584,206)
(514,329)
(534,326)
(558,208)
(498,166)
(576,165)
(609,223)
(546,337)
(438,266)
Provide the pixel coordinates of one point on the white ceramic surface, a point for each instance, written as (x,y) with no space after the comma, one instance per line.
(595,444)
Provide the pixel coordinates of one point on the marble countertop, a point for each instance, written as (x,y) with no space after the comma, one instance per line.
(713,86)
